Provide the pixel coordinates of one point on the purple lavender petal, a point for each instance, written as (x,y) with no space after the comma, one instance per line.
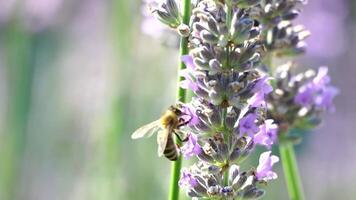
(264,169)
(257,100)
(305,95)
(322,78)
(263,85)
(187,179)
(325,99)
(248,126)
(188,83)
(191,147)
(188,61)
(267,134)
(190,112)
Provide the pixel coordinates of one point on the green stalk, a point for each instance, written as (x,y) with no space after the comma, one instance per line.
(181,96)
(291,173)
(18,45)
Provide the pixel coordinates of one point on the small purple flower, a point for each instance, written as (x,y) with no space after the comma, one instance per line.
(188,61)
(257,100)
(322,78)
(267,134)
(264,169)
(247,125)
(190,115)
(261,89)
(305,95)
(325,99)
(317,92)
(191,147)
(187,179)
(188,82)
(263,86)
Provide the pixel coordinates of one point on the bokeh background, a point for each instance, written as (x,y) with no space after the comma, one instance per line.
(78,76)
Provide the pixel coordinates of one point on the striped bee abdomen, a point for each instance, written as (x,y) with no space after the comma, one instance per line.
(171,151)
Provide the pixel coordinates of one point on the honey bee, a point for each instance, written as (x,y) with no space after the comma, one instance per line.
(168,124)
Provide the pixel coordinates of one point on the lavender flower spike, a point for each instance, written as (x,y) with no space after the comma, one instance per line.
(264,169)
(317,92)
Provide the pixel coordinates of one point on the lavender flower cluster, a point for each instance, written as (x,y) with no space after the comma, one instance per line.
(299,100)
(235,107)
(227,116)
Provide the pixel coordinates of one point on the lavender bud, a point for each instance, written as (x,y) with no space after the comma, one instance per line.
(215,65)
(213,190)
(211,181)
(204,157)
(208,37)
(233,173)
(212,25)
(199,187)
(172,8)
(251,192)
(235,154)
(206,54)
(201,63)
(192,193)
(231,119)
(183,30)
(213,169)
(239,181)
(227,191)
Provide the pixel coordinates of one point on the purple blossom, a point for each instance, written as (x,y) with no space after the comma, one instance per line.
(257,100)
(305,95)
(187,179)
(248,125)
(317,92)
(260,90)
(190,114)
(325,99)
(188,61)
(263,86)
(267,134)
(191,147)
(188,82)
(264,169)
(322,78)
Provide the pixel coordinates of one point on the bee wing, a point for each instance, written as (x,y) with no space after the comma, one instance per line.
(147,130)
(162,138)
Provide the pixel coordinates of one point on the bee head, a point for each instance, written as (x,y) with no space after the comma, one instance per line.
(176,109)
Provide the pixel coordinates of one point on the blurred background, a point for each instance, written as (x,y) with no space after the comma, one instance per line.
(78,76)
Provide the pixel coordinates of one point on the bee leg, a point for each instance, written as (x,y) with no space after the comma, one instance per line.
(179,138)
(182,123)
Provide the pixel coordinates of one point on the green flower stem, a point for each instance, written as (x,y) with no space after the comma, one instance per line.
(19,49)
(290,167)
(181,96)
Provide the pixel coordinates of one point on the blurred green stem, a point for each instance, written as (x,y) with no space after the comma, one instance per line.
(181,96)
(291,173)
(19,54)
